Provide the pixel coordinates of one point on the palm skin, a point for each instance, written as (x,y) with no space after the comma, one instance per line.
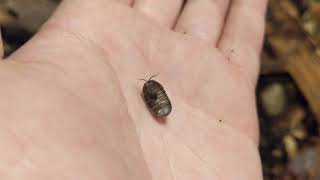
(85,111)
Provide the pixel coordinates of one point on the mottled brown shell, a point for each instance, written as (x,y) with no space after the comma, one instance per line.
(156,99)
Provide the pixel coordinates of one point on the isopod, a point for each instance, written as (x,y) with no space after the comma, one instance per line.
(156,98)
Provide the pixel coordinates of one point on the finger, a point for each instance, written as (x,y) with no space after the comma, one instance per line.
(164,12)
(203,18)
(108,21)
(243,34)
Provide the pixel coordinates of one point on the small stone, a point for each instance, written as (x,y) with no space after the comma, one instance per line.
(291,146)
(295,116)
(274,99)
(299,133)
(277,153)
(303,162)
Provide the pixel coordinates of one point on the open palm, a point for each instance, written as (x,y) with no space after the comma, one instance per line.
(82,69)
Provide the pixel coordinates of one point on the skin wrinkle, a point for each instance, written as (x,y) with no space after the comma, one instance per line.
(145,56)
(241,69)
(195,15)
(227,126)
(89,42)
(73,36)
(23,162)
(227,13)
(172,170)
(204,162)
(80,98)
(252,8)
(238,136)
(238,75)
(164,12)
(66,89)
(22,146)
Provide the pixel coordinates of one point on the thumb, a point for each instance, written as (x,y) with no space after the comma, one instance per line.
(97,21)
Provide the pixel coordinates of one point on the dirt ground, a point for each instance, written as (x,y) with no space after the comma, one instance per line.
(288,92)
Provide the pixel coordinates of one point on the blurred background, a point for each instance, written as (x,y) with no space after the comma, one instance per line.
(288,91)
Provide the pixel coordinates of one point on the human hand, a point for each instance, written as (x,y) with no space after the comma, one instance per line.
(79,77)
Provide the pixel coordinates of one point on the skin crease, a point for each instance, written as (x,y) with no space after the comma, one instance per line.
(71,105)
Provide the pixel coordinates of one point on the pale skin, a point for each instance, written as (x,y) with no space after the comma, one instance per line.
(71,105)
